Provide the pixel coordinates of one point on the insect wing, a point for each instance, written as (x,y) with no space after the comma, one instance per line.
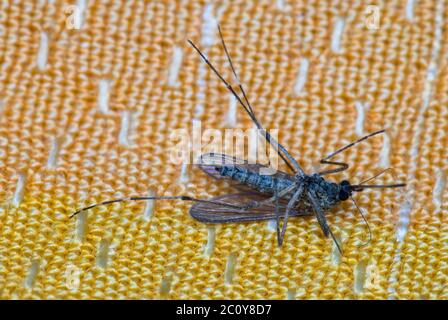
(217,213)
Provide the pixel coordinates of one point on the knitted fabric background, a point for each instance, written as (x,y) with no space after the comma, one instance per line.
(91,90)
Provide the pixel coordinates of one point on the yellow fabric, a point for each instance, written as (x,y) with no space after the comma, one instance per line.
(397,73)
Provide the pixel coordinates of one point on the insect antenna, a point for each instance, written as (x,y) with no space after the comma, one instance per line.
(183,198)
(284,154)
(365,220)
(376,176)
(360,187)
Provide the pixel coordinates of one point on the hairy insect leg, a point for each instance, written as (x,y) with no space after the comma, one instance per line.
(277,217)
(365,220)
(289,207)
(183,198)
(344,166)
(282,193)
(377,175)
(322,220)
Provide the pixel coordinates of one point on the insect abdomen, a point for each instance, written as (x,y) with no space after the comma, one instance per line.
(261,183)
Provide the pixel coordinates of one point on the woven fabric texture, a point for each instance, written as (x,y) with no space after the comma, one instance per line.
(90,92)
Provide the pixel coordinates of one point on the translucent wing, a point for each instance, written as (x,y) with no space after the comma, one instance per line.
(217,213)
(209,163)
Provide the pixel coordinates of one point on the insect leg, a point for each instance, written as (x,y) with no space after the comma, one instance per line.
(344,166)
(277,216)
(322,220)
(240,85)
(365,220)
(289,207)
(183,198)
(284,154)
(282,193)
(377,175)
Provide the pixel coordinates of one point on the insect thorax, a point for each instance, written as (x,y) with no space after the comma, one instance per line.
(327,193)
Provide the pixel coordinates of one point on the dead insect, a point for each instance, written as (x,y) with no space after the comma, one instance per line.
(265,197)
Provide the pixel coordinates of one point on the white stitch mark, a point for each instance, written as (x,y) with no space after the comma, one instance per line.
(230,268)
(123,136)
(410,10)
(210,246)
(439,187)
(42,54)
(175,65)
(372,280)
(385,152)
(149,207)
(81,226)
(232,112)
(207,40)
(184,178)
(103,95)
(209,25)
(20,188)
(80,13)
(404,218)
(336,38)
(302,76)
(72,277)
(281,4)
(32,274)
(359,277)
(272,225)
(199,109)
(291,294)
(54,153)
(335,254)
(393,279)
(165,285)
(361,116)
(103,254)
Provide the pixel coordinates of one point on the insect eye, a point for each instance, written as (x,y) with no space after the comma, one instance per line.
(343,195)
(345,183)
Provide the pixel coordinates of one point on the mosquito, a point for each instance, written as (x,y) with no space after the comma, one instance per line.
(276,196)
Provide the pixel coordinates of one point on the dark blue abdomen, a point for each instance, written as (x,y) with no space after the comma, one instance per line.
(258,182)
